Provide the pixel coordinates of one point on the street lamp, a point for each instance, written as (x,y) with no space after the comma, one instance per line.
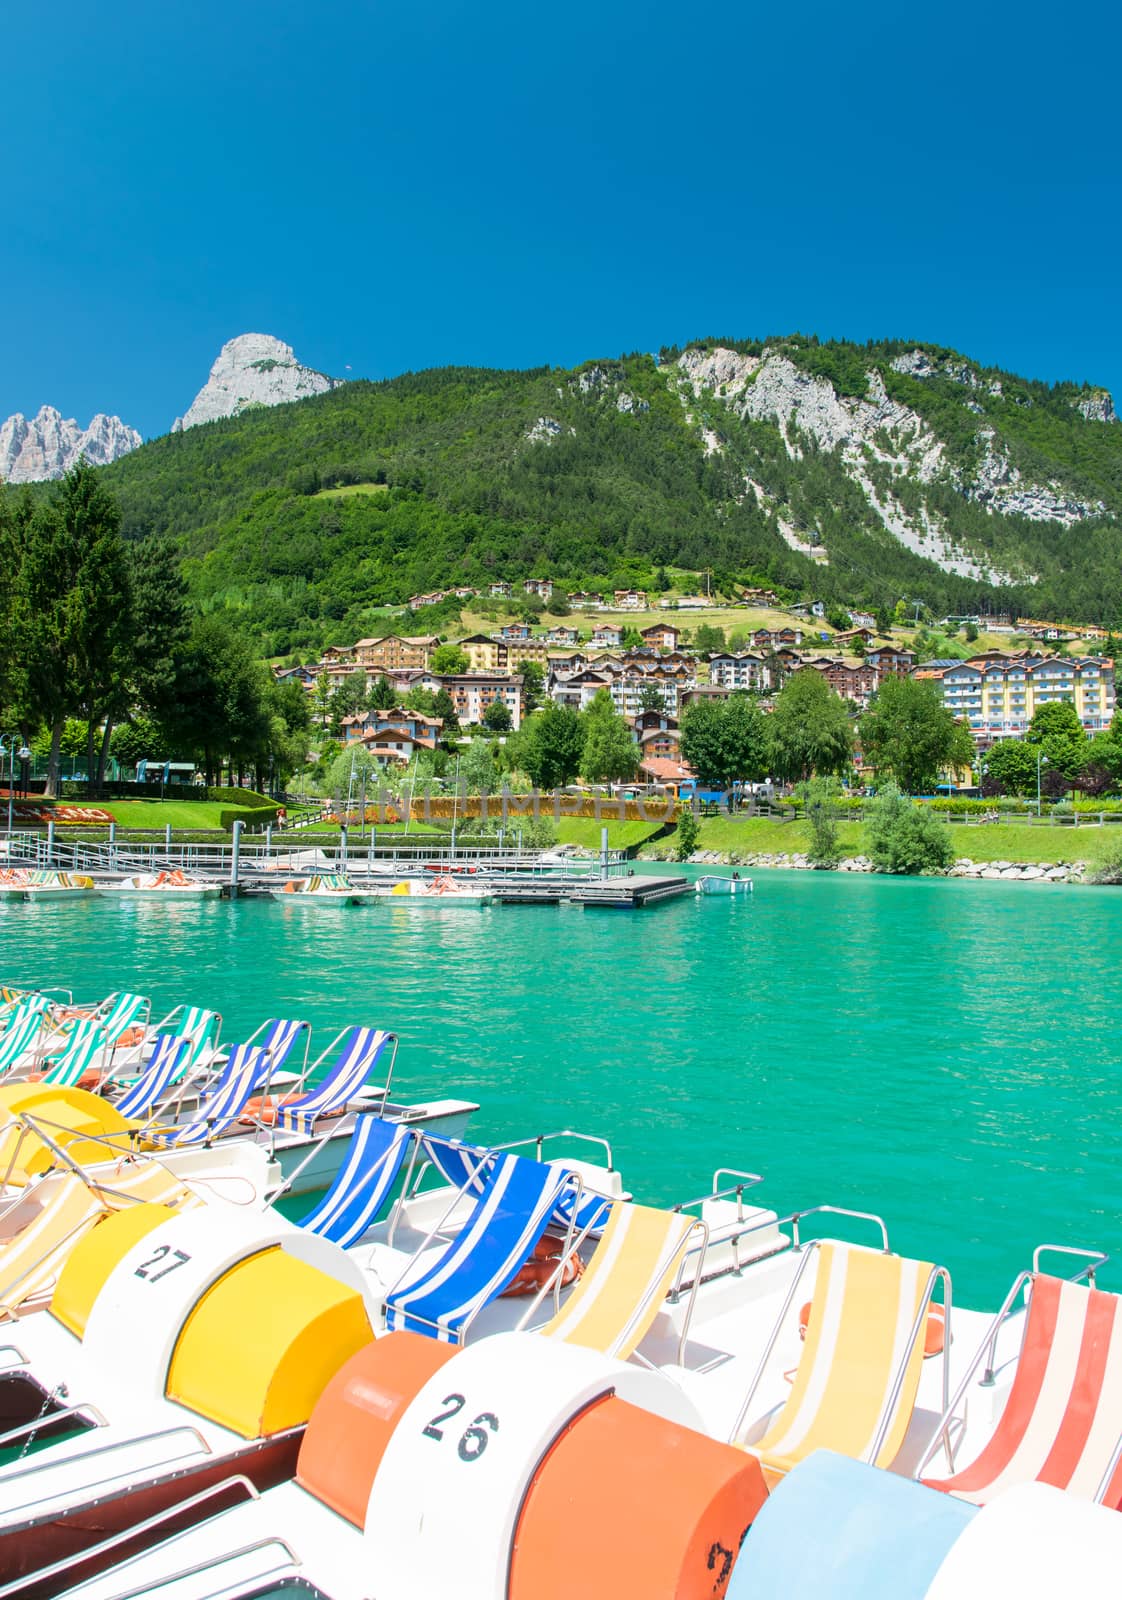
(1041,760)
(9,750)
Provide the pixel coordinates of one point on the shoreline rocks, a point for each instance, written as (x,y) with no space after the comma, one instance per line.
(796,861)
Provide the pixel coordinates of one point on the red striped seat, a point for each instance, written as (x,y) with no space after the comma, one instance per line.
(1063,1418)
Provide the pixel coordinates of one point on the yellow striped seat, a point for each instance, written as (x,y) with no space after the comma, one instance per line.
(626,1282)
(858,1340)
(31,1260)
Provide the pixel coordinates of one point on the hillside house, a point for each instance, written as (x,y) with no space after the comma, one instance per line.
(661,635)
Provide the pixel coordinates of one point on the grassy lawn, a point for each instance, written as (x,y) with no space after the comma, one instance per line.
(586,831)
(346,489)
(996,841)
(188,814)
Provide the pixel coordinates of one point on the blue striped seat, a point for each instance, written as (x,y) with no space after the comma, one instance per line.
(465,1167)
(360,1052)
(167,1064)
(362,1184)
(278,1038)
(239,1078)
(442,1296)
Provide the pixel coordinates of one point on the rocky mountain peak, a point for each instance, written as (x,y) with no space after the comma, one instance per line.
(48,444)
(252,370)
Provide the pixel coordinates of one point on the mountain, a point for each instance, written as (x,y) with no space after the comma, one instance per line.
(252,370)
(49,444)
(860,473)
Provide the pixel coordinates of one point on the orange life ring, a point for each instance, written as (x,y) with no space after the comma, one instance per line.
(934,1338)
(266,1108)
(540,1268)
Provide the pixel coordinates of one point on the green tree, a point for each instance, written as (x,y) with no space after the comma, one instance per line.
(906,838)
(969,632)
(610,754)
(219,712)
(1057,730)
(381,696)
(708,639)
(497,717)
(810,729)
(650,699)
(908,733)
(142,739)
(726,742)
(477,767)
(1010,768)
(550,745)
(688,832)
(70,607)
(633,639)
(825,840)
(449,658)
(533,686)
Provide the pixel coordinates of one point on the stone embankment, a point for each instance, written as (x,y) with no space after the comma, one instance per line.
(1009,871)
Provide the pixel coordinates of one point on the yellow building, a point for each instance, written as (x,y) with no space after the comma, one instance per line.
(484,653)
(997,694)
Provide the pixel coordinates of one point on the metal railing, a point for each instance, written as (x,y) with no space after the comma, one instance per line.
(273,856)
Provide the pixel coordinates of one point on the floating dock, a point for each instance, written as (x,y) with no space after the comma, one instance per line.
(617,894)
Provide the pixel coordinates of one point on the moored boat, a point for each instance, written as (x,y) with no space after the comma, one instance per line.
(322,889)
(173,885)
(36,883)
(713,883)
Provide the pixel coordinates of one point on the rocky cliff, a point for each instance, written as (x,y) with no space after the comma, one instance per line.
(889,450)
(49,444)
(252,370)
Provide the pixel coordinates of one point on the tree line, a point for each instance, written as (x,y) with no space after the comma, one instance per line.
(98,630)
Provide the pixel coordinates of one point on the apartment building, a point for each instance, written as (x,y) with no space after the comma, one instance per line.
(997,694)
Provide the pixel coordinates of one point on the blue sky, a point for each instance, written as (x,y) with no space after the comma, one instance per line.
(394,187)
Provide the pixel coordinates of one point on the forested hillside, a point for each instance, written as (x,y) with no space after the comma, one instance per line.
(306,518)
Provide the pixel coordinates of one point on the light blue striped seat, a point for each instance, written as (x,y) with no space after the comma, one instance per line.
(242,1074)
(167,1065)
(440,1297)
(26,1033)
(363,1182)
(360,1051)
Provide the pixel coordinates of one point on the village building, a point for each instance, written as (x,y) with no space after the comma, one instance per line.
(395,733)
(542,587)
(472,692)
(661,635)
(607,635)
(484,653)
(742,670)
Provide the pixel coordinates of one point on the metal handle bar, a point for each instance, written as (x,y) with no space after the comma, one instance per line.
(80,1557)
(1094,1258)
(48,1419)
(107,1449)
(293,1560)
(561,1133)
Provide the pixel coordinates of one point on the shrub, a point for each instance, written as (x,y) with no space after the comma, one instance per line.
(1109,869)
(239,797)
(825,842)
(905,838)
(252,816)
(688,831)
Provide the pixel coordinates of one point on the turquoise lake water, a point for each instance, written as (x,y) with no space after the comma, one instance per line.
(944,1053)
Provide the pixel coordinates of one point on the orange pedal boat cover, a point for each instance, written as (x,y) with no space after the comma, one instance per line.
(628,1504)
(357,1412)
